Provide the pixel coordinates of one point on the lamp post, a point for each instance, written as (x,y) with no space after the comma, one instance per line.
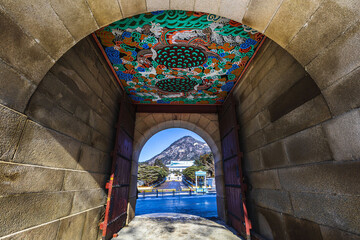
(196,181)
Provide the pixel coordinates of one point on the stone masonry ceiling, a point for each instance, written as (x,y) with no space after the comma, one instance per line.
(178,57)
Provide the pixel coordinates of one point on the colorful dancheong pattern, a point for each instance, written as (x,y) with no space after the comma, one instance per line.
(178,57)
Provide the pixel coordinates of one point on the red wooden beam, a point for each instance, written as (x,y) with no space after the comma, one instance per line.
(104,224)
(175,108)
(108,61)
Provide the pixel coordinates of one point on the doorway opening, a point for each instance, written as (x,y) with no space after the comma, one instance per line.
(176,174)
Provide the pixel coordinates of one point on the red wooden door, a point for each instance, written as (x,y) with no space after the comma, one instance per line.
(232,156)
(119,184)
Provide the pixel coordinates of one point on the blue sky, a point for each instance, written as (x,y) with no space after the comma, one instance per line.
(161,140)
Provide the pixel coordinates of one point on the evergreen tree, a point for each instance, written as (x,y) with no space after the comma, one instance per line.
(189,173)
(159,163)
(206,161)
(151,174)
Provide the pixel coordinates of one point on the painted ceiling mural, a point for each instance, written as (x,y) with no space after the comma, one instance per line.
(178,57)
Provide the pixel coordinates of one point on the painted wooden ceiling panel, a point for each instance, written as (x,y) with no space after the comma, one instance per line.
(178,57)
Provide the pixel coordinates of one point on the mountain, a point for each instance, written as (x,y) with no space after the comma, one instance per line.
(185,149)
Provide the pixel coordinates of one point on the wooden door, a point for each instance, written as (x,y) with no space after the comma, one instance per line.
(232,158)
(119,184)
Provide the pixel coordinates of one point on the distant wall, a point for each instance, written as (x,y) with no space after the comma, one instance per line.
(54,156)
(302,149)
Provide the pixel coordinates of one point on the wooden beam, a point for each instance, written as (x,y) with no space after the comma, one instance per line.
(173,108)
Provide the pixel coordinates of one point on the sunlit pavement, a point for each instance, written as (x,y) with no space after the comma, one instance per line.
(175,226)
(172,185)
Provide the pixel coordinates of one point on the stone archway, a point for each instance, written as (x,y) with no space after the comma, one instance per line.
(28,53)
(322,35)
(205,125)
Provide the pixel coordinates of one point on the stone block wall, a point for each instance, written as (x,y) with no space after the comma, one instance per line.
(55,150)
(301,141)
(323,35)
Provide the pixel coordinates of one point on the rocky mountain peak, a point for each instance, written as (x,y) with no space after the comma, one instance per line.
(186,148)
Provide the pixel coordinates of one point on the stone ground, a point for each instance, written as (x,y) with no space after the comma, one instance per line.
(172,185)
(166,226)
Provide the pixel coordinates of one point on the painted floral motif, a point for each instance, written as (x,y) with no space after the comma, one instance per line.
(178,57)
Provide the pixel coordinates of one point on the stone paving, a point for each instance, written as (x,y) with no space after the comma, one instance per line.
(172,185)
(171,226)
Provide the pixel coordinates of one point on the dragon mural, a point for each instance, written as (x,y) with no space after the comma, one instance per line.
(178,57)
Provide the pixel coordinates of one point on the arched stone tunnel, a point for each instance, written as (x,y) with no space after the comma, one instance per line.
(297,106)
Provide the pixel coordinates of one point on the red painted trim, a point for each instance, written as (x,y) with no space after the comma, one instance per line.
(108,61)
(104,224)
(247,65)
(172,104)
(175,108)
(247,222)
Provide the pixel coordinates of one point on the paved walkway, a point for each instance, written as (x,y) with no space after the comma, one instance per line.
(172,185)
(172,226)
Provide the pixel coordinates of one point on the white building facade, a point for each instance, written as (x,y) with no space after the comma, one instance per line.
(179,165)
